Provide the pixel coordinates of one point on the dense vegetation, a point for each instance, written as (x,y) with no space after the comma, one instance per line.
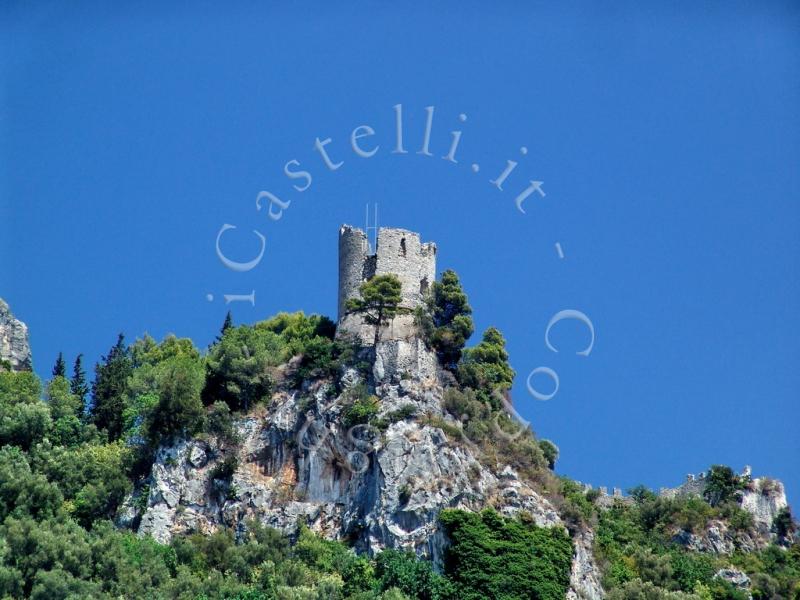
(640,559)
(494,557)
(71,452)
(69,457)
(62,479)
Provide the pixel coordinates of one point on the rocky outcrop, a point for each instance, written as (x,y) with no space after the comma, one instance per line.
(295,460)
(735,577)
(15,350)
(585,575)
(764,498)
(716,539)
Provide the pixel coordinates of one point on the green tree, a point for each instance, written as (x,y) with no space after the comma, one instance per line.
(491,556)
(60,399)
(59,369)
(550,451)
(179,411)
(239,368)
(77,384)
(722,484)
(783,525)
(109,390)
(446,319)
(416,579)
(379,302)
(24,418)
(226,324)
(485,367)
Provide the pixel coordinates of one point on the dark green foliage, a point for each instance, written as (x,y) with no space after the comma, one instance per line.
(226,324)
(446,319)
(179,411)
(77,384)
(783,525)
(225,469)
(312,339)
(109,390)
(550,451)
(577,509)
(491,556)
(60,368)
(690,567)
(239,367)
(722,484)
(219,422)
(413,577)
(23,491)
(93,478)
(641,494)
(485,368)
(61,401)
(379,302)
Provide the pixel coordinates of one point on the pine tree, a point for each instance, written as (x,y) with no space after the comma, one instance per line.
(446,319)
(60,369)
(109,389)
(379,302)
(77,385)
(227,324)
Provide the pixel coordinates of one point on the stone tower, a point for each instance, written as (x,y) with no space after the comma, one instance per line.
(397,251)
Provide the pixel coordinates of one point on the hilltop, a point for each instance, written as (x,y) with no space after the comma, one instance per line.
(369,457)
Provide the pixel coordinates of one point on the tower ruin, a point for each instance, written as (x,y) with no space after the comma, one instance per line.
(399,252)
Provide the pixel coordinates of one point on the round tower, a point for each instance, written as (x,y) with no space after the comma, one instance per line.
(353,250)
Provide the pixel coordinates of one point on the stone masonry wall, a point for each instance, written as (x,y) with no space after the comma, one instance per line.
(399,252)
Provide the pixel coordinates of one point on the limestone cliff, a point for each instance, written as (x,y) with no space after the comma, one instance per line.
(296,459)
(15,348)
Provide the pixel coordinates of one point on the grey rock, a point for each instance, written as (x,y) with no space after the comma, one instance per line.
(14,343)
(735,577)
(764,499)
(197,457)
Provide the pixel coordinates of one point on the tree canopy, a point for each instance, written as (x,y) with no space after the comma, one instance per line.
(379,302)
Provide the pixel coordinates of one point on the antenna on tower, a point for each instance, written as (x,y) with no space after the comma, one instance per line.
(374,228)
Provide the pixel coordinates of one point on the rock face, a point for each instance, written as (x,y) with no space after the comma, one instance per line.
(764,499)
(14,345)
(379,489)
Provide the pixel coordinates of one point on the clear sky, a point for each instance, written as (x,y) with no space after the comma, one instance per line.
(668,141)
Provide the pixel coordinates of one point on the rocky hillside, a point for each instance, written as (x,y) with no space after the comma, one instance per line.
(296,457)
(382,483)
(299,458)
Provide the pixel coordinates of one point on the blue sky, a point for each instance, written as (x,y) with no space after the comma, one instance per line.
(668,141)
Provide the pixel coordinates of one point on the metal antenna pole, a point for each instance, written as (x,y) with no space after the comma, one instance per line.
(374,228)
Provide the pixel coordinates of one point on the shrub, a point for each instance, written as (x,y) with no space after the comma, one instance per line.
(360,411)
(239,366)
(496,557)
(224,470)
(445,320)
(414,578)
(550,451)
(783,525)
(219,422)
(485,368)
(722,484)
